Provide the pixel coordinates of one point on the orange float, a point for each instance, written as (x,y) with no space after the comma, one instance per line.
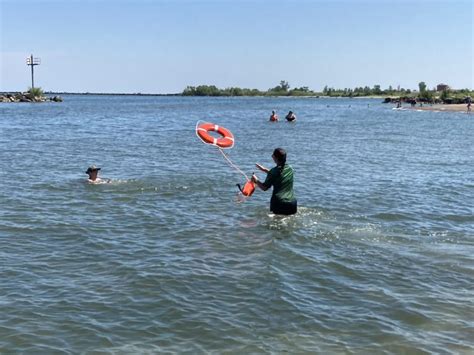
(225,141)
(248,188)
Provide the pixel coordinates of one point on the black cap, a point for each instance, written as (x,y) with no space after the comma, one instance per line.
(92,168)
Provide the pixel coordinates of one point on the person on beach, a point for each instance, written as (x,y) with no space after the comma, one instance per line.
(93,173)
(469,104)
(290,117)
(274,117)
(283,199)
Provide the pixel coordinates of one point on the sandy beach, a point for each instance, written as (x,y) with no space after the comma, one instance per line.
(440,107)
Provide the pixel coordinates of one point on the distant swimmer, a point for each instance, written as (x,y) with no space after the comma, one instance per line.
(290,117)
(274,117)
(93,173)
(283,199)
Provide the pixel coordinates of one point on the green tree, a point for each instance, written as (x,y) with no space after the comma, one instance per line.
(444,95)
(284,85)
(236,92)
(427,95)
(422,86)
(189,91)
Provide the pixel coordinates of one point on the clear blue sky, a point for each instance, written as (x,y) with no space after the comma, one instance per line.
(163,46)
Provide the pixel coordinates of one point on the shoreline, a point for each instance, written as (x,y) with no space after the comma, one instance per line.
(180,94)
(25,97)
(439,108)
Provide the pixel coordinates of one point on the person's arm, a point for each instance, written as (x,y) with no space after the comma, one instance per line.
(262,168)
(259,183)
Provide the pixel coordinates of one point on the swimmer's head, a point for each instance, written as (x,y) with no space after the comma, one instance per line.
(92,169)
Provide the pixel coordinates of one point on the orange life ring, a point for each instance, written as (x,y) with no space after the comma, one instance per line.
(226,141)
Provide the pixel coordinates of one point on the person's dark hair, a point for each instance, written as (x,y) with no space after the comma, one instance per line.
(280,156)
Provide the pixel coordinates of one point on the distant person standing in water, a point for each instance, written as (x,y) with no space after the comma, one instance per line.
(283,199)
(93,173)
(274,117)
(469,104)
(290,117)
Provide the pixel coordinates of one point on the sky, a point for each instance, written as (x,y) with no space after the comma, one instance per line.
(162,46)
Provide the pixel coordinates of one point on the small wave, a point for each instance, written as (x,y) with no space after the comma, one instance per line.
(99,182)
(460,218)
(392,216)
(304,221)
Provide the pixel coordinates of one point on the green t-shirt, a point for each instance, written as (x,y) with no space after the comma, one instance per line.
(282,182)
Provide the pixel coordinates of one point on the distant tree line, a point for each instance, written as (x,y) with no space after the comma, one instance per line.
(280,90)
(283,89)
(364,91)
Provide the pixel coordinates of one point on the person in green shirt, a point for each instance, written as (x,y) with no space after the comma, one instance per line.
(283,199)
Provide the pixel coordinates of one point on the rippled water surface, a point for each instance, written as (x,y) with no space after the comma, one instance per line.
(162,259)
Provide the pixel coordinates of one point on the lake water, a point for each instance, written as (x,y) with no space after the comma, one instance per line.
(162,259)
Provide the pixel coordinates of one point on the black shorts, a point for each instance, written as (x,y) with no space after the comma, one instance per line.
(286,208)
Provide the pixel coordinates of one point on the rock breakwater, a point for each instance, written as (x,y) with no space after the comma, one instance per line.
(27,97)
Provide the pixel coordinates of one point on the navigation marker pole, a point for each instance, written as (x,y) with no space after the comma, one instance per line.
(32,62)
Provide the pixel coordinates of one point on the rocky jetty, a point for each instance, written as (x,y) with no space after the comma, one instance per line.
(27,97)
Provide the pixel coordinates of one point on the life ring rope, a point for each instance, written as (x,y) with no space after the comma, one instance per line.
(231,163)
(200,128)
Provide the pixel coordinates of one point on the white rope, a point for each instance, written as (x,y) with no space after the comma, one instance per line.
(198,123)
(233,165)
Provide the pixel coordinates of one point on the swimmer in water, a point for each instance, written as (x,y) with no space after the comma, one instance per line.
(93,173)
(274,117)
(290,117)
